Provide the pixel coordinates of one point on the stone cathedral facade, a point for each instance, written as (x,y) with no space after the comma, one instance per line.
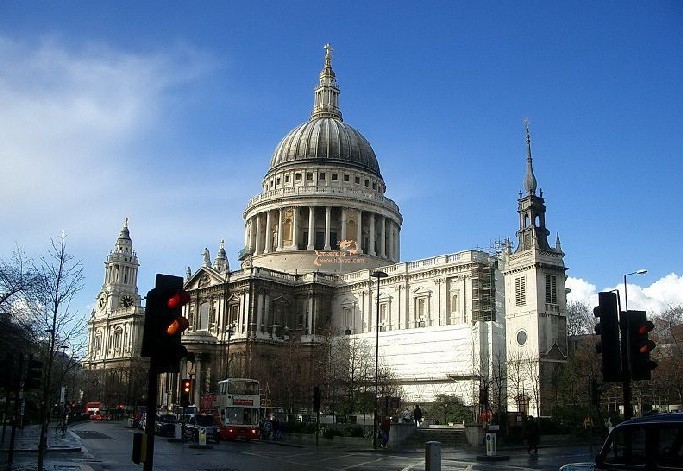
(314,240)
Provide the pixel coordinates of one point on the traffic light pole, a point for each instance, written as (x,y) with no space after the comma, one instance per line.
(626,365)
(150,421)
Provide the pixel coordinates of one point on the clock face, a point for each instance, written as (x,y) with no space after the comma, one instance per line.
(127,300)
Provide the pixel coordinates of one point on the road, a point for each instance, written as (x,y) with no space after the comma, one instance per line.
(107,446)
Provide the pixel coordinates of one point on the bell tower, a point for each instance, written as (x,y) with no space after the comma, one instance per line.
(116,322)
(120,287)
(535,303)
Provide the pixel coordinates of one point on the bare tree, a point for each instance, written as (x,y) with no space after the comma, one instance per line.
(580,319)
(61,278)
(668,376)
(18,279)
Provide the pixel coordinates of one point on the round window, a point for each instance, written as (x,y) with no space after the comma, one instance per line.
(521,337)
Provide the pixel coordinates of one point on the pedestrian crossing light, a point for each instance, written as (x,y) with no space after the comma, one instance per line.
(640,345)
(164,324)
(34,374)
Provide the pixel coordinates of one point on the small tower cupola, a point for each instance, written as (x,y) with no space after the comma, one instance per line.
(326,99)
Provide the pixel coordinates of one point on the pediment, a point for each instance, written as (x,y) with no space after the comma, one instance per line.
(203,278)
(555,353)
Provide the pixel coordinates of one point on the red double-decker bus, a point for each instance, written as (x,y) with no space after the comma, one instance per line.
(239,404)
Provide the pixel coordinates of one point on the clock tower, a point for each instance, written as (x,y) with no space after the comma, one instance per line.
(116,326)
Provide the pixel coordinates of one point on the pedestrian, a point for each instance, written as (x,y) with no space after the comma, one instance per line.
(385,426)
(533,434)
(417,415)
(406,416)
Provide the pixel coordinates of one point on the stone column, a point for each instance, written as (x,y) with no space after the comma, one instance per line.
(390,238)
(343,224)
(198,378)
(247,234)
(359,232)
(328,216)
(383,238)
(259,312)
(280,224)
(371,243)
(269,230)
(311,228)
(295,227)
(259,233)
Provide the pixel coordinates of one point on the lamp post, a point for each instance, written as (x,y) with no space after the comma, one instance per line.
(642,271)
(231,330)
(379,275)
(626,350)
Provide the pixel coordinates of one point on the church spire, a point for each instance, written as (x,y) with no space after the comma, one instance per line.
(529,179)
(326,94)
(531,208)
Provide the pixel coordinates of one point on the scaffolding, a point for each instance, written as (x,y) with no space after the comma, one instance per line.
(484,292)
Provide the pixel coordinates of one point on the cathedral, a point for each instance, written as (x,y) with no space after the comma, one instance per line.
(321,268)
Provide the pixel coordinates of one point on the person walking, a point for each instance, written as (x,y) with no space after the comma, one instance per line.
(385,427)
(533,434)
(417,415)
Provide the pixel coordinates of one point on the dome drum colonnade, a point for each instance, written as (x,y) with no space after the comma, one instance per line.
(324,191)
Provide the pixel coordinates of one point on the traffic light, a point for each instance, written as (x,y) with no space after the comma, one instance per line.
(640,345)
(34,374)
(185,392)
(484,396)
(595,393)
(608,329)
(164,324)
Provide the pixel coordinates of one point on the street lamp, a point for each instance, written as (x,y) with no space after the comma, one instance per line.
(642,271)
(379,275)
(230,330)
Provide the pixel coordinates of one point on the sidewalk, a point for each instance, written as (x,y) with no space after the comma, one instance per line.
(60,450)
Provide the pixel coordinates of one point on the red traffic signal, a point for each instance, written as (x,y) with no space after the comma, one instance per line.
(164,324)
(640,345)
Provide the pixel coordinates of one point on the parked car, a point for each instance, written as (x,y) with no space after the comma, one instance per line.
(651,442)
(202,421)
(165,425)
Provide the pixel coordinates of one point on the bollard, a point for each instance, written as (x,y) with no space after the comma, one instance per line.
(490,444)
(433,456)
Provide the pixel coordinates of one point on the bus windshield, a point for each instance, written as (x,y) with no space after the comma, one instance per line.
(241,416)
(245,387)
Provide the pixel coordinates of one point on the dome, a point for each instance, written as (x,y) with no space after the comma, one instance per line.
(325,138)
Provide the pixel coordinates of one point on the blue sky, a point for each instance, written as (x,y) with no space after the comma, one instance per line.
(168,112)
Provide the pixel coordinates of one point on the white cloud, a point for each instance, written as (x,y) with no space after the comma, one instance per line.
(656,298)
(70,124)
(581,290)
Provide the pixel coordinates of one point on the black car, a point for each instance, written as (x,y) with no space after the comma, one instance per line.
(165,425)
(651,442)
(205,422)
